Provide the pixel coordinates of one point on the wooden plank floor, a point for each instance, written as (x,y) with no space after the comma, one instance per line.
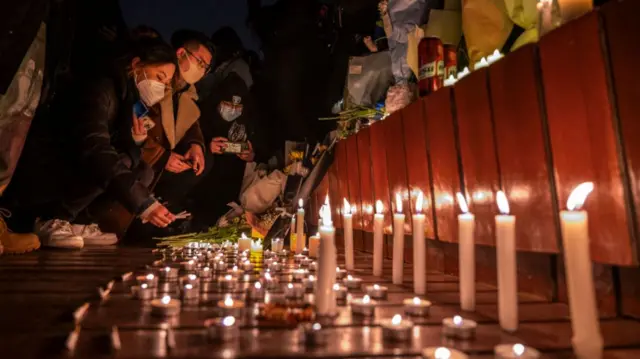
(39,291)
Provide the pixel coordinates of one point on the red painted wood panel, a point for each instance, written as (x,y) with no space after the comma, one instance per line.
(517,115)
(582,134)
(353,170)
(477,150)
(311,216)
(397,166)
(418,165)
(334,193)
(622,28)
(343,178)
(363,139)
(379,168)
(441,143)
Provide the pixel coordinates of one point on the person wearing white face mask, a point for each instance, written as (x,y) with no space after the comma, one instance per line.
(86,151)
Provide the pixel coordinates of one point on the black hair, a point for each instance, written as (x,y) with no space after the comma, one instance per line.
(190,40)
(152,51)
(227,44)
(144,31)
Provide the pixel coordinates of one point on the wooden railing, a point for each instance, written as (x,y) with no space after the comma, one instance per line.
(535,124)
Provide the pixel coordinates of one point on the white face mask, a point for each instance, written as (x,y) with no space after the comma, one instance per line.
(194,74)
(151,91)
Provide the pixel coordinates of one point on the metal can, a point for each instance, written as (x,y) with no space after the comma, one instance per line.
(450,61)
(431,65)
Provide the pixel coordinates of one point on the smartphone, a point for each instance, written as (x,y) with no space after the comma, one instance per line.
(140,109)
(236,147)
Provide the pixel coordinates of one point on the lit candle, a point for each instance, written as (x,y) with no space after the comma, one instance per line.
(269,282)
(205,273)
(292,235)
(150,280)
(294,291)
(506,260)
(314,245)
(466,256)
(304,263)
(396,329)
(189,292)
(277,245)
(222,329)
(244,243)
(416,307)
(327,263)
(190,279)
(515,351)
(378,233)
(309,283)
(340,291)
(313,334)
(460,328)
(235,272)
(297,258)
(247,266)
(347,225)
(377,291)
(587,340)
(256,251)
(220,266)
(352,282)
(228,306)
(443,353)
(165,307)
(572,9)
(143,291)
(340,273)
(228,282)
(419,249)
(313,266)
(299,274)
(189,265)
(300,237)
(398,242)
(363,306)
(257,292)
(275,267)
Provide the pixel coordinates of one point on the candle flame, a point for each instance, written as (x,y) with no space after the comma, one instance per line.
(144,285)
(347,206)
(289,285)
(366,299)
(349,277)
(166,300)
(518,349)
(337,269)
(267,276)
(396,320)
(379,207)
(235,268)
(300,203)
(336,286)
(150,276)
(192,277)
(227,277)
(312,278)
(228,301)
(503,203)
(228,321)
(243,236)
(258,285)
(167,269)
(416,301)
(457,320)
(376,287)
(353,209)
(188,286)
(462,202)
(191,261)
(398,202)
(369,209)
(206,269)
(442,353)
(419,201)
(325,214)
(326,199)
(579,195)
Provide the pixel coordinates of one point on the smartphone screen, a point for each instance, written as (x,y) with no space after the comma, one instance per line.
(140,109)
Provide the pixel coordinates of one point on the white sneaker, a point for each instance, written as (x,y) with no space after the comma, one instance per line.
(93,236)
(58,234)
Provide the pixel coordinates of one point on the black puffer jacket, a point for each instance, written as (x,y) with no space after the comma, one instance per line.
(87,140)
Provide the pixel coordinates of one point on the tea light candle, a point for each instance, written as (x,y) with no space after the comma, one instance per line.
(297,258)
(460,328)
(220,266)
(340,273)
(416,307)
(294,291)
(396,329)
(516,351)
(419,249)
(143,292)
(347,227)
(299,274)
(189,292)
(305,250)
(466,256)
(228,306)
(443,353)
(223,329)
(277,245)
(235,272)
(190,279)
(587,339)
(205,273)
(304,263)
(506,266)
(165,307)
(363,306)
(314,245)
(269,282)
(247,266)
(168,274)
(256,292)
(244,243)
(313,334)
(398,242)
(352,282)
(377,291)
(267,262)
(228,282)
(313,266)
(275,267)
(300,240)
(340,291)
(309,283)
(189,265)
(378,233)
(150,280)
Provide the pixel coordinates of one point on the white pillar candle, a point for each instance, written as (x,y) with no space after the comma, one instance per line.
(466,256)
(378,233)
(347,227)
(327,263)
(300,237)
(587,340)
(398,242)
(314,245)
(419,249)
(244,243)
(507,272)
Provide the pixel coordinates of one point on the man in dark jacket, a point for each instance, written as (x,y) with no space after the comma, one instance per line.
(228,123)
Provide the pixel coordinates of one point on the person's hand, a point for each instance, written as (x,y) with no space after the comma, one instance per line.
(138,130)
(218,145)
(196,157)
(248,155)
(160,217)
(368,41)
(177,163)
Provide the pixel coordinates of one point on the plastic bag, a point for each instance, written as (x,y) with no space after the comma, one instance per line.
(368,79)
(263,192)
